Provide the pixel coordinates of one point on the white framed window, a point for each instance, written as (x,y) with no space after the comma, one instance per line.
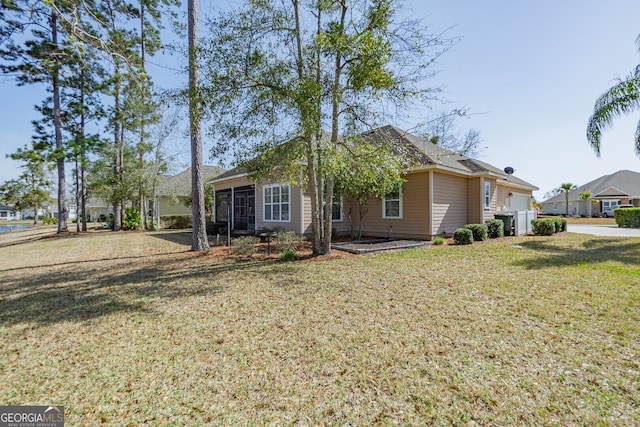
(277,203)
(336,208)
(392,205)
(555,207)
(487,195)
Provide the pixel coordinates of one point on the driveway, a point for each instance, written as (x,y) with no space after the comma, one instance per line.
(603,230)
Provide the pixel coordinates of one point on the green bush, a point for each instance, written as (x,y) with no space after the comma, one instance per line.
(495,228)
(175,221)
(480,231)
(544,227)
(463,236)
(245,245)
(49,221)
(560,224)
(288,255)
(438,240)
(627,217)
(131,219)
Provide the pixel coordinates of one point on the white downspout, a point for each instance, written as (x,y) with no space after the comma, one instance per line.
(431,235)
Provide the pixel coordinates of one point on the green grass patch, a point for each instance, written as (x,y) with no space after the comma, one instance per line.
(132,328)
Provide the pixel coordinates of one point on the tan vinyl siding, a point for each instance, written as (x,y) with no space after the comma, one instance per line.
(503,198)
(340,227)
(449,203)
(415,212)
(490,213)
(475,200)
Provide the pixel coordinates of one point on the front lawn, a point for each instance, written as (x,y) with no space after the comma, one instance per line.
(132,328)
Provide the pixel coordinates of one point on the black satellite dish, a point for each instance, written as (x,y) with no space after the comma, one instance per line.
(508,170)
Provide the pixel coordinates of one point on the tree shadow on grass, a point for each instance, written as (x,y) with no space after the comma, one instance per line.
(553,254)
(68,292)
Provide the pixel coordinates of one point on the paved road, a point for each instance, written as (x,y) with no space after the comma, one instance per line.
(603,230)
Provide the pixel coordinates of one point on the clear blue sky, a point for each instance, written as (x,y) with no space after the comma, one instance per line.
(531,70)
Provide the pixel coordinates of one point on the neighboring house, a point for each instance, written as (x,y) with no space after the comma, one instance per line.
(442,193)
(174,191)
(607,192)
(7,213)
(97,209)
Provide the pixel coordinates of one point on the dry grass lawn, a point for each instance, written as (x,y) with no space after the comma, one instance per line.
(131,328)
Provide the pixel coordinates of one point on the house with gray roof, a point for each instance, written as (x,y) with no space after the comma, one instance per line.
(607,192)
(7,213)
(443,192)
(174,191)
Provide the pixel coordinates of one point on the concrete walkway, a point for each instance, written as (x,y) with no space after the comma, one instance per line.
(603,230)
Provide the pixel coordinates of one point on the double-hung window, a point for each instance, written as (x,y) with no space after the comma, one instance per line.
(487,195)
(392,204)
(336,208)
(277,202)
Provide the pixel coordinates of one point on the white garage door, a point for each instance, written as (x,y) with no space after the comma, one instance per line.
(519,203)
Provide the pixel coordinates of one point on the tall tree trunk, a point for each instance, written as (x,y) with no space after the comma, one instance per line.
(83,159)
(57,124)
(199,241)
(143,86)
(117,158)
(77,191)
(83,195)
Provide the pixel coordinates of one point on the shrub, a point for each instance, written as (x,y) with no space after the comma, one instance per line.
(131,219)
(479,231)
(175,221)
(245,245)
(560,224)
(544,227)
(288,255)
(563,224)
(495,228)
(287,240)
(463,236)
(438,240)
(627,217)
(49,221)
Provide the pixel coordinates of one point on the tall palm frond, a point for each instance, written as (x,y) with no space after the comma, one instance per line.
(622,98)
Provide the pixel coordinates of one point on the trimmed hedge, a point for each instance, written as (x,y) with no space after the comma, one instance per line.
(480,231)
(463,236)
(544,227)
(175,221)
(627,217)
(560,223)
(495,228)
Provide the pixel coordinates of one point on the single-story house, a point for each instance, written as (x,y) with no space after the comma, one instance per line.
(607,192)
(7,213)
(174,190)
(442,193)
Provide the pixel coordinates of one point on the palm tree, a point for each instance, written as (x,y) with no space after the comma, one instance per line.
(586,195)
(621,98)
(566,188)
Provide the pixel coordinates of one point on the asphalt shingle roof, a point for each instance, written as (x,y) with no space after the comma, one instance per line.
(624,183)
(422,152)
(180,184)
